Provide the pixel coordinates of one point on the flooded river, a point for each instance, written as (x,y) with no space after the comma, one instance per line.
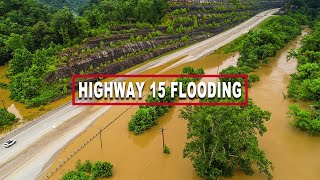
(293,153)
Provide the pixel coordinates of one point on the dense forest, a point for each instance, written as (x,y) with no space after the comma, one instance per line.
(74,5)
(32,25)
(45,45)
(32,34)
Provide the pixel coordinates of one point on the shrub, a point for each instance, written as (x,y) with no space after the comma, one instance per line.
(170,29)
(3,85)
(75,175)
(146,116)
(6,118)
(144,119)
(113,45)
(305,120)
(87,171)
(166,150)
(132,39)
(86,166)
(184,38)
(102,44)
(139,38)
(102,169)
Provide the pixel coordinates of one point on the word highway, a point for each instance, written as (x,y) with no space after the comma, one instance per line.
(133,90)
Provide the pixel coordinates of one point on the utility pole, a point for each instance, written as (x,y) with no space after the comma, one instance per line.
(100,139)
(162,132)
(3,104)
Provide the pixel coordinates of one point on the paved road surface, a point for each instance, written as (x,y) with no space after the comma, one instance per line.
(39,141)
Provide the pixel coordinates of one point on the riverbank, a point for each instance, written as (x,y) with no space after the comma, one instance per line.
(145,159)
(291,151)
(69,121)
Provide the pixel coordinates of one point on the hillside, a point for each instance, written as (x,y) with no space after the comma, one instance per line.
(108,37)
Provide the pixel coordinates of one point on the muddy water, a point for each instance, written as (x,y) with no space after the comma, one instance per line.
(19,109)
(294,154)
(141,157)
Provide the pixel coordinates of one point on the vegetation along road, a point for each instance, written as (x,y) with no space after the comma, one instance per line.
(39,141)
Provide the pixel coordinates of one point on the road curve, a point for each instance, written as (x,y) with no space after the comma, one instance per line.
(39,141)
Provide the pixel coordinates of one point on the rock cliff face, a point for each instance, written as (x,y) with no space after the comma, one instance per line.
(108,56)
(116,67)
(114,60)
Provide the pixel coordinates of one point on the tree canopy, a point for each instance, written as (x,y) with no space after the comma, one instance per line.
(305,84)
(6,118)
(75,5)
(87,170)
(223,139)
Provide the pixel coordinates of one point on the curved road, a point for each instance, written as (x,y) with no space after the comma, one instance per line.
(39,141)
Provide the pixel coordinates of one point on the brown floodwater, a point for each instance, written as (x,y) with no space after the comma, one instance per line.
(19,109)
(141,157)
(293,153)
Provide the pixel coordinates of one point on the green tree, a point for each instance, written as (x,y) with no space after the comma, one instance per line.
(93,16)
(21,60)
(15,41)
(144,119)
(144,11)
(64,25)
(102,169)
(223,139)
(6,118)
(41,35)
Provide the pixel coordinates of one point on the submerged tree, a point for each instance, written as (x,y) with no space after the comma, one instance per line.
(223,139)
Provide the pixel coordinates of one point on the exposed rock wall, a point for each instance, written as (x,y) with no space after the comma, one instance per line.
(116,67)
(91,61)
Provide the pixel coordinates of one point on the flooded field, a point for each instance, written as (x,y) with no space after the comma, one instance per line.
(293,153)
(18,108)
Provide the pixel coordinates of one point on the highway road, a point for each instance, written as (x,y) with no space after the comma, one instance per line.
(39,141)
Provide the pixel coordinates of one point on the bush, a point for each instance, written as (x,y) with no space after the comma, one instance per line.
(170,29)
(85,167)
(184,38)
(305,120)
(3,85)
(102,169)
(6,118)
(166,150)
(146,117)
(87,171)
(75,175)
